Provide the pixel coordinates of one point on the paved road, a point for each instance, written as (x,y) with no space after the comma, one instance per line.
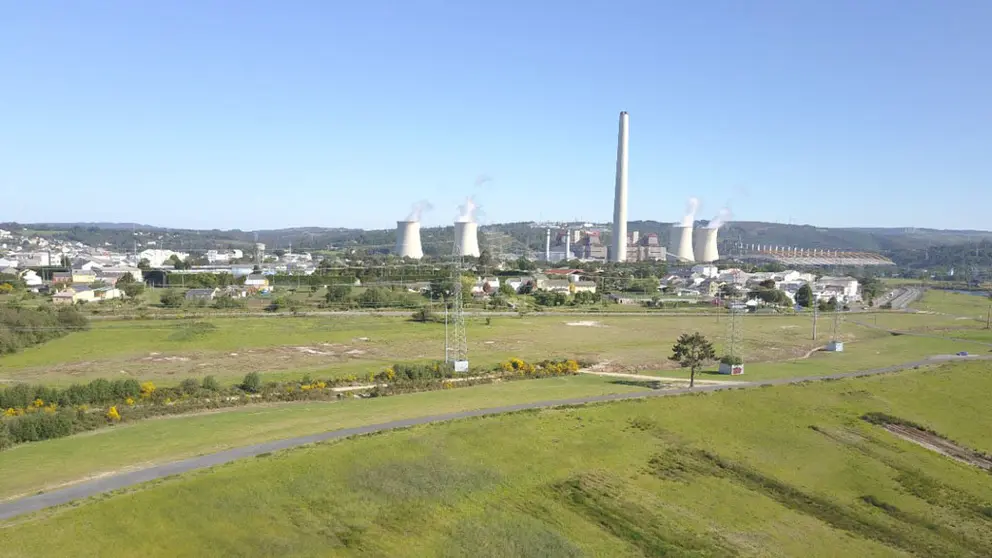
(94,487)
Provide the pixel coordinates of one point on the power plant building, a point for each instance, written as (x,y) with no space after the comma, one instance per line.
(408,240)
(467,239)
(704,244)
(681,243)
(619,252)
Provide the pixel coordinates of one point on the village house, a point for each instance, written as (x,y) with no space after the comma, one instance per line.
(201,294)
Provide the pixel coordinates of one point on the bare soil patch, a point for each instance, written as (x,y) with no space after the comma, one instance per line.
(933,441)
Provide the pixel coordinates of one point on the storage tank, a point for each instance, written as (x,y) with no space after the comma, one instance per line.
(408,240)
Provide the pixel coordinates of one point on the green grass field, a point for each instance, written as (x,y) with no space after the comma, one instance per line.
(861,355)
(786,471)
(165,351)
(35,466)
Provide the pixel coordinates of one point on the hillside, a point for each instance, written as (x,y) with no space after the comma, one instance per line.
(778,471)
(917,248)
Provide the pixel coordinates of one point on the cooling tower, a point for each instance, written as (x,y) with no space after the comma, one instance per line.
(408,240)
(467,238)
(704,245)
(620,197)
(680,243)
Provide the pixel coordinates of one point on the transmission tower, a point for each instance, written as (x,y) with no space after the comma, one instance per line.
(734,335)
(456,344)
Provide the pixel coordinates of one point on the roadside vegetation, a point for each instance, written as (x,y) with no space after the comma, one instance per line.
(35,413)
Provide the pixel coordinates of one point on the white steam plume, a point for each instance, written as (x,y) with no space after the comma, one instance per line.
(482,179)
(466,212)
(418,209)
(720,219)
(690,212)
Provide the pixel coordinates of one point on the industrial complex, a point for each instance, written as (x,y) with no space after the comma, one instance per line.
(689,242)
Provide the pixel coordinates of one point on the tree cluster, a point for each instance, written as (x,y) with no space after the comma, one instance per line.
(24,327)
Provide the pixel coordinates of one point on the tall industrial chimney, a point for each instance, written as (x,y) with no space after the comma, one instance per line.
(704,245)
(680,243)
(408,240)
(547,246)
(467,238)
(620,197)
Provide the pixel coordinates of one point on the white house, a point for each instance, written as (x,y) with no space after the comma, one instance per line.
(847,286)
(708,271)
(31,279)
(5,262)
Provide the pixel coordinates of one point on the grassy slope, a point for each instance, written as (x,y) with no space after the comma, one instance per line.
(31,467)
(158,350)
(956,304)
(626,479)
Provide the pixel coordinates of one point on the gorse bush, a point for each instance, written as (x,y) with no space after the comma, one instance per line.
(97,392)
(210,383)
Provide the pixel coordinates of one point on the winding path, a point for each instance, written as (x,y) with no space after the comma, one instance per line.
(119,481)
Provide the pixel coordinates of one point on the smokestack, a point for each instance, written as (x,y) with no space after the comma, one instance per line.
(620,197)
(704,245)
(568,244)
(408,240)
(467,238)
(547,247)
(680,243)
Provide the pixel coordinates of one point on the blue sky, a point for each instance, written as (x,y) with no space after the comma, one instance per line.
(250,114)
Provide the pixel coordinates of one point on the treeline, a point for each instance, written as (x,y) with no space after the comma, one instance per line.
(24,327)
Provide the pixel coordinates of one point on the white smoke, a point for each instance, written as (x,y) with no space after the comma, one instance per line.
(482,179)
(466,212)
(690,212)
(720,219)
(418,209)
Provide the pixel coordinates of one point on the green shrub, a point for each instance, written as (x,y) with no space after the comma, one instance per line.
(211,384)
(189,386)
(732,360)
(38,426)
(252,382)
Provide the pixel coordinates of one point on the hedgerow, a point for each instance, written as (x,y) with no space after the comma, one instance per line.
(33,413)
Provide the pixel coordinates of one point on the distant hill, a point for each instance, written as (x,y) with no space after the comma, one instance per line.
(909,247)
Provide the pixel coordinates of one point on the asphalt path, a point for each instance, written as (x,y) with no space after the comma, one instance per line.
(120,481)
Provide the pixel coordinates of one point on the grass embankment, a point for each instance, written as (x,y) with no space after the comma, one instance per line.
(286,348)
(956,304)
(31,467)
(785,471)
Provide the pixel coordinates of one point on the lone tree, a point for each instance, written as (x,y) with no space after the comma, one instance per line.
(804,296)
(691,351)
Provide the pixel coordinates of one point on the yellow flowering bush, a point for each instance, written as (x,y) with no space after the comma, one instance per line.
(320,385)
(113,415)
(51,408)
(129,401)
(147,389)
(11,412)
(38,403)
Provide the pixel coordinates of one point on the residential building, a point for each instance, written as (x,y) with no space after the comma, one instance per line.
(111,274)
(82,293)
(31,279)
(83,276)
(847,286)
(516,283)
(256,281)
(583,286)
(33,259)
(62,277)
(5,262)
(706,270)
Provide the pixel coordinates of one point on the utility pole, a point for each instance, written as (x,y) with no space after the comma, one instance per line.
(813,303)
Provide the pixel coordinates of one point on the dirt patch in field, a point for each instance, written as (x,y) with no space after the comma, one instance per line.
(935,442)
(931,440)
(585,323)
(201,363)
